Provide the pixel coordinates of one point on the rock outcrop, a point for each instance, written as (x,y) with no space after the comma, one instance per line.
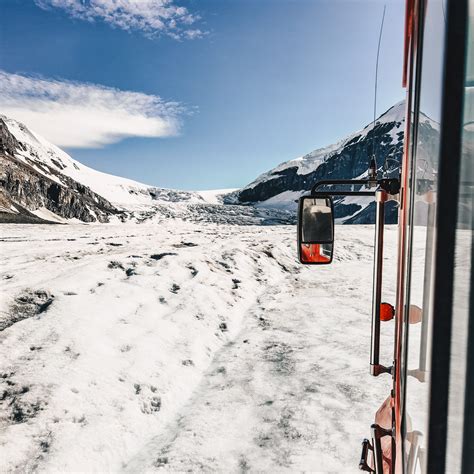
(25,188)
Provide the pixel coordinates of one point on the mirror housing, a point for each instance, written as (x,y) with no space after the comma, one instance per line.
(315,230)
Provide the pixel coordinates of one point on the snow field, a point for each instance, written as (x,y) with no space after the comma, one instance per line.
(178,346)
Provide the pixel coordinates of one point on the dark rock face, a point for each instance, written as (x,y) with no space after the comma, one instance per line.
(367,215)
(26,189)
(345,210)
(8,143)
(30,190)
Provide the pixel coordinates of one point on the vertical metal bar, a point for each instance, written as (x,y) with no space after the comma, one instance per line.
(378,456)
(377,433)
(381,197)
(363,463)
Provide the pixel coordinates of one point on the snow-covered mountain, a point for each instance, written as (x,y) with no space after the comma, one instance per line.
(348,159)
(40,181)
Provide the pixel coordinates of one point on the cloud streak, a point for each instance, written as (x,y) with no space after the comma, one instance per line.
(150,17)
(83,115)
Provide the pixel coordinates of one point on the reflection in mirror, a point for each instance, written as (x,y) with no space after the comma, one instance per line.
(317,225)
(316,253)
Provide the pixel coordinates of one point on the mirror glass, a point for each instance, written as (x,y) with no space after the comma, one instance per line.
(316,229)
(317,220)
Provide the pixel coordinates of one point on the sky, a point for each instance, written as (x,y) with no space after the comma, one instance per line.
(196,94)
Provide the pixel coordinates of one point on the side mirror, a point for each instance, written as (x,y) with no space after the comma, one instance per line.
(315,230)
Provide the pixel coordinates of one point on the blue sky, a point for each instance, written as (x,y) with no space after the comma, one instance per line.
(258,83)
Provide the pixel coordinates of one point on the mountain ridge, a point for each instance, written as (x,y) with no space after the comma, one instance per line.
(40,183)
(348,158)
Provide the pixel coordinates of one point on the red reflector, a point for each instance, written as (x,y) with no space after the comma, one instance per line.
(387,312)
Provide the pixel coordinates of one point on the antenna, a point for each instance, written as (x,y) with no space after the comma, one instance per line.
(373,160)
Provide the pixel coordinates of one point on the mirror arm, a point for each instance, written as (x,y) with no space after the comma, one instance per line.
(343,193)
(347,182)
(390,185)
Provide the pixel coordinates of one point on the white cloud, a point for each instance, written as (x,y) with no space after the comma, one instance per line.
(81,115)
(151,17)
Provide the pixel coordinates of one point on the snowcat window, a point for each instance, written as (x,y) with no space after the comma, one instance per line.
(424,191)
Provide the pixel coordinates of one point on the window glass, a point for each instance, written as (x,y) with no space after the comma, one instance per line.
(423,183)
(463,268)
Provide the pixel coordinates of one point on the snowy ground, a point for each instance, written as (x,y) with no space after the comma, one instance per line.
(184,346)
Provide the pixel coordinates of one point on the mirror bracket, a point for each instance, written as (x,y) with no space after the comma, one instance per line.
(377,369)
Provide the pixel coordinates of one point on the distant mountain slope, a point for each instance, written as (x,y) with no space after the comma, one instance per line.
(348,159)
(39,181)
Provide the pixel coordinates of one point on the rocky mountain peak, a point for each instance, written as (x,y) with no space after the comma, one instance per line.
(347,159)
(8,143)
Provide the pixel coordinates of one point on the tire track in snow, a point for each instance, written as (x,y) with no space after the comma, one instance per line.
(280,397)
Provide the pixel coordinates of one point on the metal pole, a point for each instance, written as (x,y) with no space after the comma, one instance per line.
(381,197)
(377,433)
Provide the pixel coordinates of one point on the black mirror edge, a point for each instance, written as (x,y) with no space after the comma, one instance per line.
(299,226)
